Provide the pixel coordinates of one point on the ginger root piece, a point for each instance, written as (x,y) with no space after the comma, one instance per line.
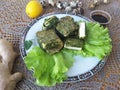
(7,56)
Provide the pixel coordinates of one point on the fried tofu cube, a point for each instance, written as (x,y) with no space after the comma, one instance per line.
(49,41)
(66,26)
(73,43)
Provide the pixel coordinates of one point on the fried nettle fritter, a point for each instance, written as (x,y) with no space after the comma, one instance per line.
(49,41)
(56,34)
(50,23)
(66,26)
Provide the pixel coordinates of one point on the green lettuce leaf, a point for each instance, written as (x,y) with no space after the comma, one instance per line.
(97,42)
(48,69)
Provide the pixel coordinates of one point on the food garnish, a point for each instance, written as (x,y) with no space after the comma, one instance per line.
(97,41)
(27,44)
(48,69)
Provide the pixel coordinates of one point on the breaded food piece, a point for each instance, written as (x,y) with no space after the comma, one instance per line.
(66,26)
(50,23)
(49,41)
(73,43)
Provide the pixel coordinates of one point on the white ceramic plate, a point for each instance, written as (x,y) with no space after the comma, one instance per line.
(83,67)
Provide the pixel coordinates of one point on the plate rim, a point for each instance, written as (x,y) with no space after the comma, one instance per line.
(71,79)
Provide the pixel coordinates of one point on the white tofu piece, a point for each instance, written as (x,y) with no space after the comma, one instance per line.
(82,30)
(72,43)
(74,48)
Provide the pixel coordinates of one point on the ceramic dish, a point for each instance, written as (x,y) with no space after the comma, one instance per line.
(100,19)
(83,67)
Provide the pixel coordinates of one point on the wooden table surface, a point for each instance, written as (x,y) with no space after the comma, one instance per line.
(13,21)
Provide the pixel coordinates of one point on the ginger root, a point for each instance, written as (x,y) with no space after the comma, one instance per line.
(7,56)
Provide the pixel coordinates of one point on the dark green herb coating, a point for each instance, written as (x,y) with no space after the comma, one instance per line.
(50,23)
(66,26)
(73,42)
(49,41)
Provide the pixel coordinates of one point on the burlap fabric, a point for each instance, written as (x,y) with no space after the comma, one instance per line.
(13,21)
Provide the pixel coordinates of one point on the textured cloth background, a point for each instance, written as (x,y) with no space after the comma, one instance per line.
(13,21)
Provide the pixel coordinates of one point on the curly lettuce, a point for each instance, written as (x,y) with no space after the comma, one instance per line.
(48,69)
(97,42)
